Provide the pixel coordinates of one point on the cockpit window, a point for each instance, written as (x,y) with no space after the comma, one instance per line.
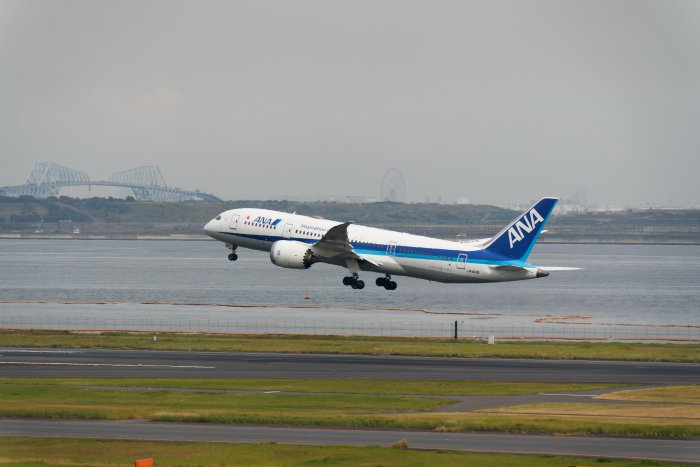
(218,218)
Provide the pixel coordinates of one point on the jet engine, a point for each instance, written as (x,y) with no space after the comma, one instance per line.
(291,254)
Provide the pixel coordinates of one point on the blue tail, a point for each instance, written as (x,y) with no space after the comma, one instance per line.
(516,240)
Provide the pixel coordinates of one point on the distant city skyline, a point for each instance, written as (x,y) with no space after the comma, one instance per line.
(492,101)
(577,201)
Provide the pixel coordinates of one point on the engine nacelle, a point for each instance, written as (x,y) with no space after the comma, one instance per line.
(291,254)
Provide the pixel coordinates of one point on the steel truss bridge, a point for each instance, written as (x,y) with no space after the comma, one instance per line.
(147,184)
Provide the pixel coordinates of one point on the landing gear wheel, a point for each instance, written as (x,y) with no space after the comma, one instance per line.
(354,282)
(386,282)
(232,257)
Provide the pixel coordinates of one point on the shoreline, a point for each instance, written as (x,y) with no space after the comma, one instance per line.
(201,237)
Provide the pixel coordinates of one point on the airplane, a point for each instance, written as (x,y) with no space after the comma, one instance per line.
(297,242)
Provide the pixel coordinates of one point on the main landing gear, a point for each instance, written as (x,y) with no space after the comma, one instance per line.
(354,281)
(386,282)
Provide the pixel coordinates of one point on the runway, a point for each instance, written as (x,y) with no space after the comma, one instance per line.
(33,362)
(654,449)
(25,362)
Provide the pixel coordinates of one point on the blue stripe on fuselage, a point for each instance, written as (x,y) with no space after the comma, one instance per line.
(433,254)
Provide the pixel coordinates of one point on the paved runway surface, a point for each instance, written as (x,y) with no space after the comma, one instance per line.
(135,363)
(658,449)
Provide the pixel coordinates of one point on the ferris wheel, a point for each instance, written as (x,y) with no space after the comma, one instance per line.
(393,186)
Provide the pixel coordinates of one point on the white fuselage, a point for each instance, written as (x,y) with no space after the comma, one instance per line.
(386,251)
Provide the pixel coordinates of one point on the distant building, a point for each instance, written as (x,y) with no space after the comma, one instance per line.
(568,208)
(463,200)
(325,199)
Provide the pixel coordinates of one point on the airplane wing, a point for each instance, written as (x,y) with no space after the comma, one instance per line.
(335,245)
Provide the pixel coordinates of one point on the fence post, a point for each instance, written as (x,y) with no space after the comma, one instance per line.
(456,329)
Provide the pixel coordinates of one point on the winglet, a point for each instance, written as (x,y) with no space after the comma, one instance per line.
(334,243)
(516,240)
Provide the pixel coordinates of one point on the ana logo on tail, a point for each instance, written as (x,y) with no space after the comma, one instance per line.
(526,224)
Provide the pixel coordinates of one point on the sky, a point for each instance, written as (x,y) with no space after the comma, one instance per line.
(493,100)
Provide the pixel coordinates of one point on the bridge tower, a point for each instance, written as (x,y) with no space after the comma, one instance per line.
(147,183)
(46,178)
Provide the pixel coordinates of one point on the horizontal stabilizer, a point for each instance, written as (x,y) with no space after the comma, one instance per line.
(508,268)
(476,241)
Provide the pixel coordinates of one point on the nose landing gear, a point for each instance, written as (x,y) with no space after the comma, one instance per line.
(232,256)
(386,282)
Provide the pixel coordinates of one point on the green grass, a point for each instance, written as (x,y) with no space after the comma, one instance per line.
(45,400)
(355,345)
(77,452)
(466,422)
(21,400)
(322,385)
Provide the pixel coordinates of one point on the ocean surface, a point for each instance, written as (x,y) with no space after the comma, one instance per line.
(115,284)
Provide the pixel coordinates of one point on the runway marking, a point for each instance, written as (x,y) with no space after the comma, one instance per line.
(39,351)
(138,365)
(271,392)
(569,395)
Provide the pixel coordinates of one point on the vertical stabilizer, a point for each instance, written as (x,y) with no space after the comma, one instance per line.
(516,240)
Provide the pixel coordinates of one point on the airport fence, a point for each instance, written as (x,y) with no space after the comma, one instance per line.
(443,329)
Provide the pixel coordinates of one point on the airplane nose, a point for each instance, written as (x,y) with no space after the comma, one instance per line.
(209,228)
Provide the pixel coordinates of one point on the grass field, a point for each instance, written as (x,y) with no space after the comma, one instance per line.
(529,423)
(679,394)
(58,398)
(322,385)
(662,413)
(355,345)
(16,400)
(84,452)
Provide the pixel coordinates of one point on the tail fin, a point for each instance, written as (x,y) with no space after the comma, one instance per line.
(516,240)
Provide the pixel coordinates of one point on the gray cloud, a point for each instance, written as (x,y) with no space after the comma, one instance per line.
(491,100)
